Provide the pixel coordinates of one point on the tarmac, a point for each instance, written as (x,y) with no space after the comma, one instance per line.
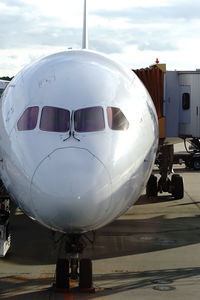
(152,252)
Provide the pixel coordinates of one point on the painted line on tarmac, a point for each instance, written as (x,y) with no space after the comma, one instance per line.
(72,297)
(69,297)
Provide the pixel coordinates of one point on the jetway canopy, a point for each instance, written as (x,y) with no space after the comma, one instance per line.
(153,79)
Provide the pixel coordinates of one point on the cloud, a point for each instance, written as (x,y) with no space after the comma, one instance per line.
(11,3)
(23,29)
(21,26)
(177,10)
(114,41)
(29,31)
(156,28)
(106,46)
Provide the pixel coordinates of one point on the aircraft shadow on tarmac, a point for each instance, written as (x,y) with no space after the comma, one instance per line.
(148,200)
(119,282)
(179,169)
(12,286)
(32,244)
(186,170)
(131,237)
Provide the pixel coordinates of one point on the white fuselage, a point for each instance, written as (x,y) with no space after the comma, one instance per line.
(77,180)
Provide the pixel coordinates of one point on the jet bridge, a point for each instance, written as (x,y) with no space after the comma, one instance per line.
(176,97)
(182,104)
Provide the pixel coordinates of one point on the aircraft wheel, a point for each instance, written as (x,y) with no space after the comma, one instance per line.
(85,276)
(62,274)
(196,164)
(152,187)
(177,186)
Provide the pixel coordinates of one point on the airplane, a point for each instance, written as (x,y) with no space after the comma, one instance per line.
(78,141)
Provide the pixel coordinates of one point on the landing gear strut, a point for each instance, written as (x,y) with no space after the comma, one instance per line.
(172,184)
(72,267)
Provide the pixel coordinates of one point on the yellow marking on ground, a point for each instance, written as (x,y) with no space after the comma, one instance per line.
(69,297)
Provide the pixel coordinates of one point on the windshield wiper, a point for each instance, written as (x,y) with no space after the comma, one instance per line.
(70,129)
(71,133)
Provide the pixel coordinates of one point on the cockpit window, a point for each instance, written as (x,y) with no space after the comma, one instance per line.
(116,119)
(55,119)
(89,119)
(28,120)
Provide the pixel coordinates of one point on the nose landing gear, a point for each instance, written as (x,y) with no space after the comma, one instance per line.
(72,268)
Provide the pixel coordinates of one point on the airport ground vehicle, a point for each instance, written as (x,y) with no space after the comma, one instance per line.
(191,160)
(190,157)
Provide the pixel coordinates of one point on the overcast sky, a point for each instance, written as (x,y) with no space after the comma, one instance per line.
(135,32)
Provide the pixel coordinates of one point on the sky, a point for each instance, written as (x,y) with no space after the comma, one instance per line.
(133,32)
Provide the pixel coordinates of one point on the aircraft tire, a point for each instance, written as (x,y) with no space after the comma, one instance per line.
(196,164)
(62,274)
(152,187)
(177,186)
(85,276)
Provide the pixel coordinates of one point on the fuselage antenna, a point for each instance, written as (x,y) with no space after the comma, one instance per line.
(85,30)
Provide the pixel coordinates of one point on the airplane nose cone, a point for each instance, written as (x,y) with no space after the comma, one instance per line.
(71,190)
